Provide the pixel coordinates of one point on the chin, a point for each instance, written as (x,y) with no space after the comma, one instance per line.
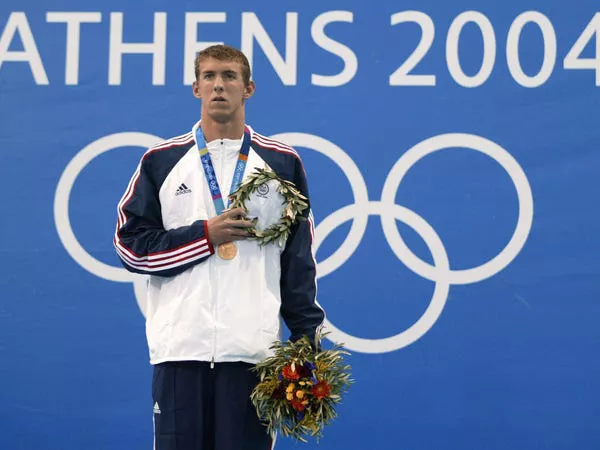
(220,116)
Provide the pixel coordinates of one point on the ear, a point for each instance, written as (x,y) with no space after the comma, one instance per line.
(196,90)
(249,90)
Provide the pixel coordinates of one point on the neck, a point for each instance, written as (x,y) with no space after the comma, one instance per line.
(222,130)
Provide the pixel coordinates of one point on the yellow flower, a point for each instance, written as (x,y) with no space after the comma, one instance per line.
(299,394)
(302,383)
(291,388)
(289,396)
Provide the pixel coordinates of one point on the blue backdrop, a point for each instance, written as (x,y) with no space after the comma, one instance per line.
(452,156)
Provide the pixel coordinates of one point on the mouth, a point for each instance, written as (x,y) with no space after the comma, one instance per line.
(219,99)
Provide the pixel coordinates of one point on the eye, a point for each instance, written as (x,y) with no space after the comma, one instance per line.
(208,76)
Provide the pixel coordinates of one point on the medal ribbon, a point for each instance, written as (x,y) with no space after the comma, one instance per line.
(209,169)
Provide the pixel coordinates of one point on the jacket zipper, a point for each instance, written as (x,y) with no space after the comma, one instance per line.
(212,361)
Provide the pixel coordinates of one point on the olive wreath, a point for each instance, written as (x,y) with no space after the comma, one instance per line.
(295,203)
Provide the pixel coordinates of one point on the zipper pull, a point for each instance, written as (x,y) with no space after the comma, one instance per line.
(212,363)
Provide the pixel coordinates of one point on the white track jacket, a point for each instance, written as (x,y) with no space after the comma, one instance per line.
(200,307)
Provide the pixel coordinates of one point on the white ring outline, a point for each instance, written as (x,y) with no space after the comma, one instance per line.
(508,163)
(440,293)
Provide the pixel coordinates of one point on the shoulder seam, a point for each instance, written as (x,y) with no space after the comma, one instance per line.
(177,141)
(272,144)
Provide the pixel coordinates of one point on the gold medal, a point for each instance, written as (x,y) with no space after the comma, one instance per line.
(227,250)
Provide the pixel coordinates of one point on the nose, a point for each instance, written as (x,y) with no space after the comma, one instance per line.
(218,86)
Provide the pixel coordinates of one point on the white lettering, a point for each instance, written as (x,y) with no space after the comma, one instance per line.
(253,29)
(73,21)
(489,49)
(402,75)
(512,49)
(192,46)
(326,43)
(118,48)
(17,22)
(575,58)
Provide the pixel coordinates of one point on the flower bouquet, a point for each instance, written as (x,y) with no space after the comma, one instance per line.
(300,388)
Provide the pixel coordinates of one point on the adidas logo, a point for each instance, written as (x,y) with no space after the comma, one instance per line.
(183,189)
(156,408)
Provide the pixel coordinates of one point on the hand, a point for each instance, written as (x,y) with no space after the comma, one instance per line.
(231,225)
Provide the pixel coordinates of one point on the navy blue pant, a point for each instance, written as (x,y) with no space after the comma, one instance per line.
(199,408)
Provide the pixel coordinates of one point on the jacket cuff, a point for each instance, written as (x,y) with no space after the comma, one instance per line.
(210,246)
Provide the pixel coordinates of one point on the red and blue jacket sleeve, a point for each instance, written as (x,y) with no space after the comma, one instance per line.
(142,243)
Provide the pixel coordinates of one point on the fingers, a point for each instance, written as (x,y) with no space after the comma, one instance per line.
(238,235)
(240,223)
(234,213)
(238,231)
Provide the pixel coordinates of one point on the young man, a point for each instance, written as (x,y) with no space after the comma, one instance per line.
(214,297)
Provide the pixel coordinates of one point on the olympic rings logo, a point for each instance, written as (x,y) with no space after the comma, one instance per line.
(439,272)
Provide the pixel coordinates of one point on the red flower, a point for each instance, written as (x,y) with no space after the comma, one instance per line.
(289,373)
(278,393)
(298,405)
(321,389)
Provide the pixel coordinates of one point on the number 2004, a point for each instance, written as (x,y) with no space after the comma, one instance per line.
(573,59)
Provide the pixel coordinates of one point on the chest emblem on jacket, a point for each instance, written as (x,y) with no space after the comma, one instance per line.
(263,190)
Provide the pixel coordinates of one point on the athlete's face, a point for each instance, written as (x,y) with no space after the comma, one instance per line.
(221,88)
